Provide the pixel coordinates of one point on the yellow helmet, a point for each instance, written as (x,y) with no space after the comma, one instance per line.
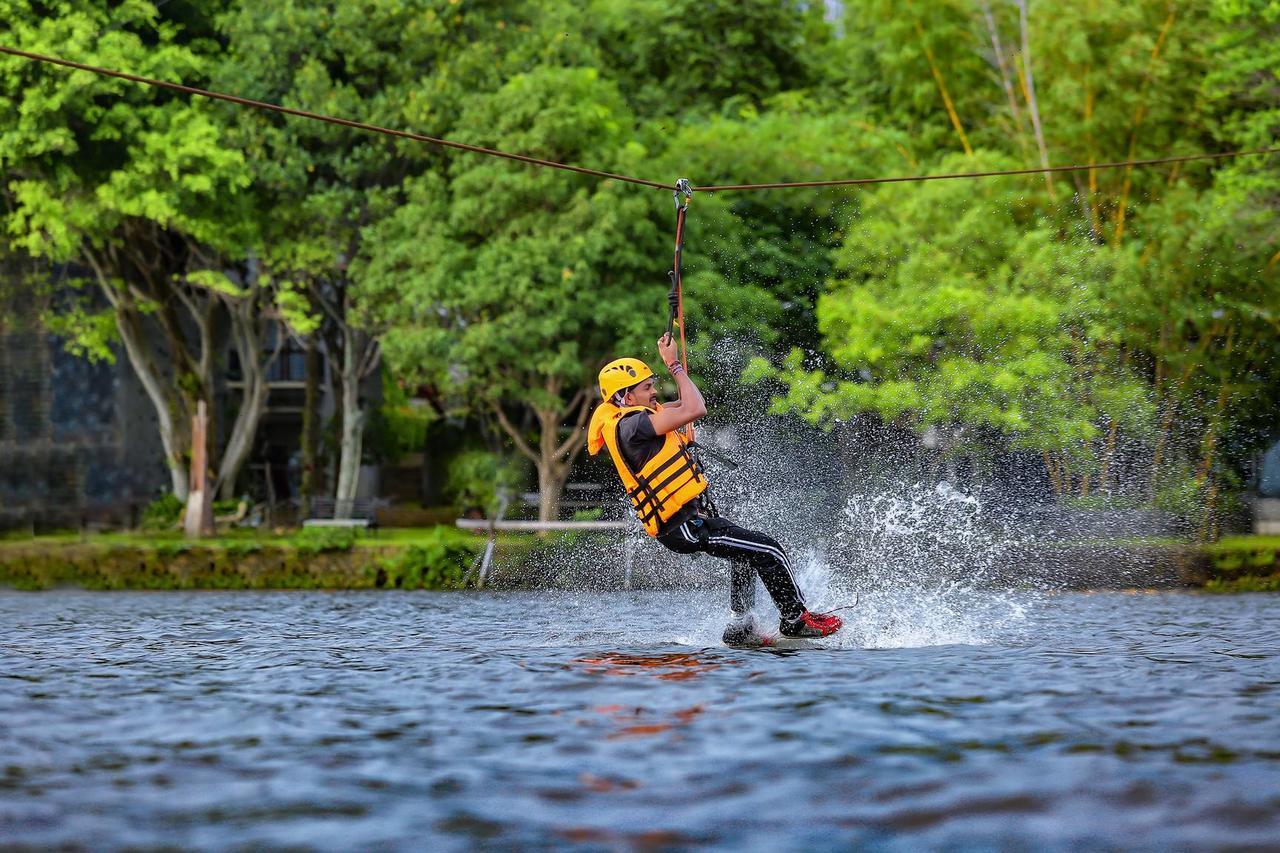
(622,373)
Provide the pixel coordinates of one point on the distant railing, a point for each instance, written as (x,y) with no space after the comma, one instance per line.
(325,512)
(536,526)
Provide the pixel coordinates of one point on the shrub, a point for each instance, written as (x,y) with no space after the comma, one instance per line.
(243,548)
(438,561)
(1245,583)
(476,477)
(226,507)
(319,540)
(162,513)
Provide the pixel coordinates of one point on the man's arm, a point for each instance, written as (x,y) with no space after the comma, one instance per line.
(690,406)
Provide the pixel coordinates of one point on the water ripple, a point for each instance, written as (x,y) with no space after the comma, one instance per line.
(341,720)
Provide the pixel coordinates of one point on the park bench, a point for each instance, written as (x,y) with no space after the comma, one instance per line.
(323,511)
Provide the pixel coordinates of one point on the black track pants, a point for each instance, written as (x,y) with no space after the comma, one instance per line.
(749,553)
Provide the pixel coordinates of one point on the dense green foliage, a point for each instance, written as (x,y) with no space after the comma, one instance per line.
(1108,319)
(1120,324)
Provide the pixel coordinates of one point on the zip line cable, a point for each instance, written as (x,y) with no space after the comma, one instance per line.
(358,125)
(852,182)
(551,164)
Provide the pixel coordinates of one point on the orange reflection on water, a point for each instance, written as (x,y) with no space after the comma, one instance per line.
(654,839)
(605,784)
(673,666)
(682,717)
(634,721)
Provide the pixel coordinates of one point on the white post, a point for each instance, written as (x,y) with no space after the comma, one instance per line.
(627,550)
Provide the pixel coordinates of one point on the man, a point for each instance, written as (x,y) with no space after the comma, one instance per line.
(668,490)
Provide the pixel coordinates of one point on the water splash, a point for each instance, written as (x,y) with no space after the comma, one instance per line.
(927,563)
(925,560)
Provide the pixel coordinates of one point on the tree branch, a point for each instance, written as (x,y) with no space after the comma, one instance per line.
(581,401)
(369,358)
(509,429)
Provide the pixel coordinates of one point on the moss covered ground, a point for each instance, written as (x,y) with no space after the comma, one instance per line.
(437,557)
(416,558)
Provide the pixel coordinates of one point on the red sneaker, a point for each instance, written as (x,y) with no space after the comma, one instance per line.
(811,625)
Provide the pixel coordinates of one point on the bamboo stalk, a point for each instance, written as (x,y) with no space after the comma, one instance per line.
(1209,444)
(1090,97)
(1002,65)
(1166,423)
(1208,529)
(1027,78)
(1095,223)
(1138,116)
(1055,481)
(942,88)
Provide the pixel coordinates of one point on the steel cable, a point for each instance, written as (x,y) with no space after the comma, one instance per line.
(551,164)
(263,105)
(847,182)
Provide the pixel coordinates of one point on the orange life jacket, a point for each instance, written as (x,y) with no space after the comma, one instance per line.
(666,483)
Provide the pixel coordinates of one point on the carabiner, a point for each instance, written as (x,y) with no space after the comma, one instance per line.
(683,187)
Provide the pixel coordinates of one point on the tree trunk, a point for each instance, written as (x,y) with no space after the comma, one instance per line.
(250,321)
(253,403)
(1108,455)
(551,479)
(1055,478)
(243,432)
(351,446)
(1169,404)
(553,457)
(173,439)
(198,521)
(1209,444)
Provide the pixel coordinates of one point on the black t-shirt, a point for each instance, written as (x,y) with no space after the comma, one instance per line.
(637,440)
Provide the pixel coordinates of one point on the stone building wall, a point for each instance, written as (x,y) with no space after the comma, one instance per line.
(77,439)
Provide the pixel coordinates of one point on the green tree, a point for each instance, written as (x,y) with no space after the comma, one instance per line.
(140,191)
(756,262)
(511,284)
(677,59)
(958,306)
(317,186)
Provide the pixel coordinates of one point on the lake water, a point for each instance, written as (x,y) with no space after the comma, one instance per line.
(617,721)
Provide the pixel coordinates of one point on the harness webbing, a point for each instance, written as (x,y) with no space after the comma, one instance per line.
(646,491)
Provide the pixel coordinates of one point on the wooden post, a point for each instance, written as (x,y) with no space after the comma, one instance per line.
(199,518)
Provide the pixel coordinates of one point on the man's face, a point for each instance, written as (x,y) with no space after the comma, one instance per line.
(643,394)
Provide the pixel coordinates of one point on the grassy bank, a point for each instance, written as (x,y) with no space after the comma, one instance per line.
(417,558)
(1243,564)
(443,557)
